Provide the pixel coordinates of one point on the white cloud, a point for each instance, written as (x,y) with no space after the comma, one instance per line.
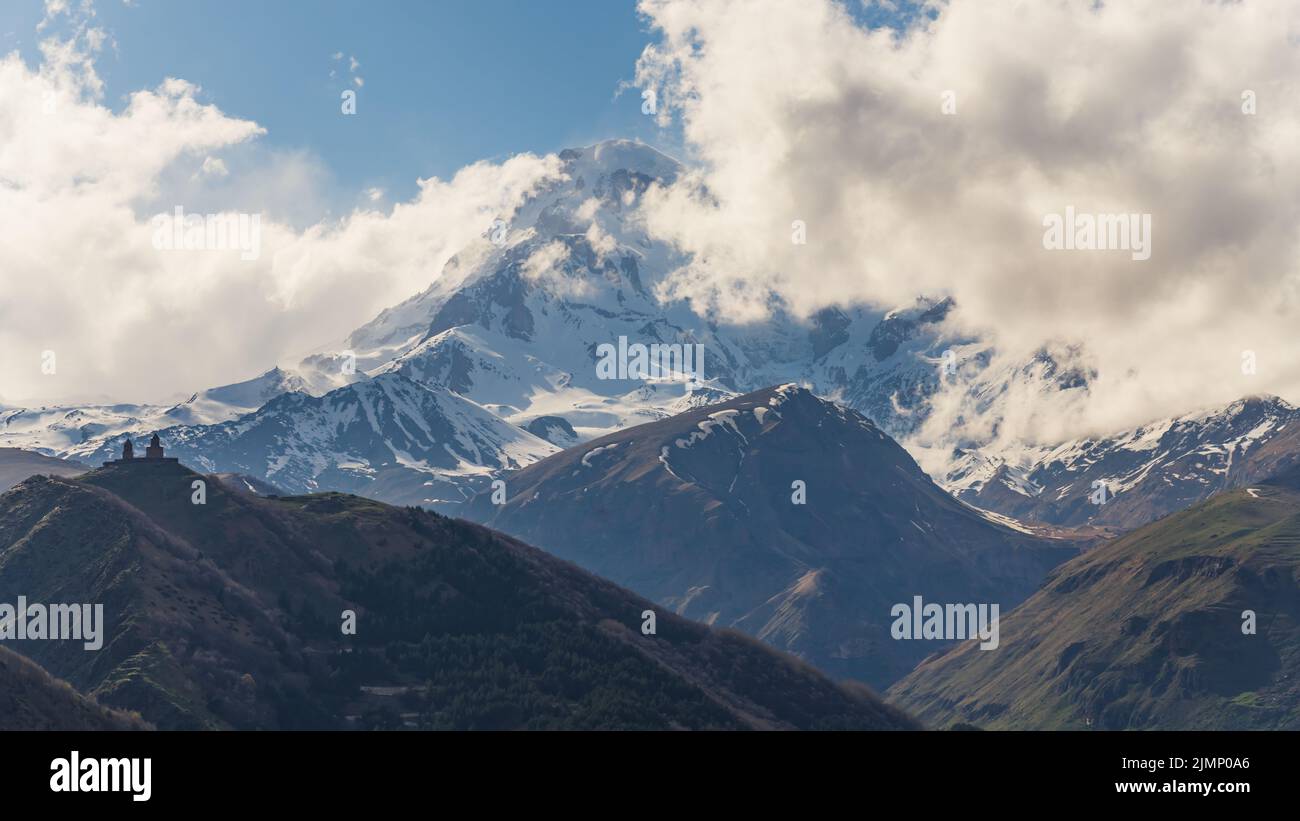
(546,265)
(214,167)
(353,65)
(53,9)
(601,242)
(79,274)
(799,113)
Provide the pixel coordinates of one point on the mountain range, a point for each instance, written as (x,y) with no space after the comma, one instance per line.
(233,614)
(493,367)
(1147,473)
(500,352)
(779,513)
(487,383)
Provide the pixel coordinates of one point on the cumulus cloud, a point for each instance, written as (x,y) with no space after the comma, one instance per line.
(80,274)
(798,112)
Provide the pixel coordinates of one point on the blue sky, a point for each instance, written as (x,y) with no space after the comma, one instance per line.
(445,83)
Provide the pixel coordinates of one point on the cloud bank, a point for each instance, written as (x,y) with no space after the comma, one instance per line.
(926,161)
(921,161)
(80,275)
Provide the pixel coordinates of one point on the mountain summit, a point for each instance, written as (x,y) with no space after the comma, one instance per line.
(513,325)
(790,517)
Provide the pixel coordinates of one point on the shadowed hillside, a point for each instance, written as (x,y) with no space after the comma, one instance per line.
(228,614)
(16,465)
(779,513)
(32,699)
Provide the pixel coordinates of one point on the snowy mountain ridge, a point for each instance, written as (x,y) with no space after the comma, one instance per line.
(504,340)
(1147,472)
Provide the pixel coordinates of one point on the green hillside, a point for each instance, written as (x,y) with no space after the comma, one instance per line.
(1146,631)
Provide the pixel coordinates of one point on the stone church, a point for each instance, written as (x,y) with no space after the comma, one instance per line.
(153,453)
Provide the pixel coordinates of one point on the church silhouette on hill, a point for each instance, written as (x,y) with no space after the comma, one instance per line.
(153,453)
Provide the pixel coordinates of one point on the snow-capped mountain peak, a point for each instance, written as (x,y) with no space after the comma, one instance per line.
(1147,472)
(518,323)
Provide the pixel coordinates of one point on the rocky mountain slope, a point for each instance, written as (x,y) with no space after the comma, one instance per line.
(77,431)
(789,517)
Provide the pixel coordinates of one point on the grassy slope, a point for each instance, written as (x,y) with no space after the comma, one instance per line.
(1146,632)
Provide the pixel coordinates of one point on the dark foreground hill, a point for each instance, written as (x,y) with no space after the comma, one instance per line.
(781,514)
(1147,632)
(232,614)
(32,699)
